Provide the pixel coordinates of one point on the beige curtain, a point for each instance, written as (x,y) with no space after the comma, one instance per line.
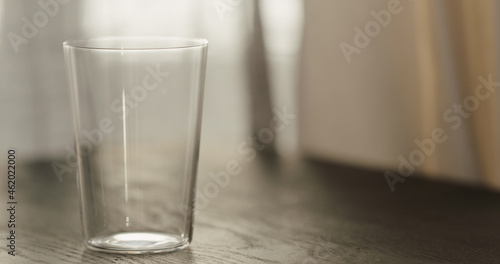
(426,71)
(471,41)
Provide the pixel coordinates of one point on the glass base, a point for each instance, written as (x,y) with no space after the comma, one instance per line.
(138,243)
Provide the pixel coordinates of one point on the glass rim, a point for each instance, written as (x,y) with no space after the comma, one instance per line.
(141,43)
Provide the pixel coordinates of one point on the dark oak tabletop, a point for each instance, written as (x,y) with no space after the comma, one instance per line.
(281,211)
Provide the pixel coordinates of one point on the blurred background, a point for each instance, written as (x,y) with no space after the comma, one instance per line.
(407,86)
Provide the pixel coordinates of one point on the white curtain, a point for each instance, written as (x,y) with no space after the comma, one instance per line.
(35,113)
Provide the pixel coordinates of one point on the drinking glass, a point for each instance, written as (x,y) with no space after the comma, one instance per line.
(137,106)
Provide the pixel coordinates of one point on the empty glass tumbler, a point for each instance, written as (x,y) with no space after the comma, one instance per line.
(137,104)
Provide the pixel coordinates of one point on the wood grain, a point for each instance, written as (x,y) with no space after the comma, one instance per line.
(282,212)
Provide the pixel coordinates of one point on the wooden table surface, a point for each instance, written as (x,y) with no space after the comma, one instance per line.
(280,211)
